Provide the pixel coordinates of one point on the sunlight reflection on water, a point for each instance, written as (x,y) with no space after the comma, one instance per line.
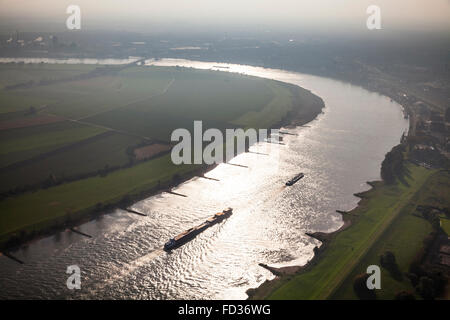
(338,152)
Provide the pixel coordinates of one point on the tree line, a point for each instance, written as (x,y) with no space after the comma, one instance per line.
(392,166)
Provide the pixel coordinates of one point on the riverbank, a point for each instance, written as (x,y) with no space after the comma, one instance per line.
(283,274)
(341,250)
(169,176)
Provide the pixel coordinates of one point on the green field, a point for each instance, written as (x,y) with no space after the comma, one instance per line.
(381,209)
(217,99)
(99,118)
(84,98)
(89,156)
(10,102)
(24,143)
(35,210)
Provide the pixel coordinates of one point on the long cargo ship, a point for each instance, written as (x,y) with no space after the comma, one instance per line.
(189,234)
(295,179)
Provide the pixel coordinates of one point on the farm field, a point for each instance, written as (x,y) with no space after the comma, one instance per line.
(83,98)
(24,143)
(10,102)
(215,98)
(105,150)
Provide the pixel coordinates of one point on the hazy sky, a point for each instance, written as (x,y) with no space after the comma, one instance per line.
(180,14)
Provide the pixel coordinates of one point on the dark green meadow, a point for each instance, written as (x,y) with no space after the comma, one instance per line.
(88,156)
(215,98)
(25,143)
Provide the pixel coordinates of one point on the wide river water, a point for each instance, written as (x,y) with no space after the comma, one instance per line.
(338,152)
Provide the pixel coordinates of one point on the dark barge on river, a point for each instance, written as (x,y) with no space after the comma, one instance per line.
(189,234)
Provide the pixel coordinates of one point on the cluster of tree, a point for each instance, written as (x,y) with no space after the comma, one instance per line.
(431,214)
(392,166)
(429,285)
(387,261)
(428,140)
(416,265)
(426,288)
(360,288)
(430,156)
(428,282)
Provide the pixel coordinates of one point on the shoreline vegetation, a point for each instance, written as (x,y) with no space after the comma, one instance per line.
(303,111)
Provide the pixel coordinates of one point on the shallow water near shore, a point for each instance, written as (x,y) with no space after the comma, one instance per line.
(338,152)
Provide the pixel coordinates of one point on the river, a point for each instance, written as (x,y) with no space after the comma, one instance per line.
(338,152)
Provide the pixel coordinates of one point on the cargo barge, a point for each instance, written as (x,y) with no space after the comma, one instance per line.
(295,179)
(189,234)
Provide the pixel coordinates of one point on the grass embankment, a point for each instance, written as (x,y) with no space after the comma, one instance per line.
(377,211)
(404,238)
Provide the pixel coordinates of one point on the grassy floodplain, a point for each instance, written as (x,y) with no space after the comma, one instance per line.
(74,121)
(382,221)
